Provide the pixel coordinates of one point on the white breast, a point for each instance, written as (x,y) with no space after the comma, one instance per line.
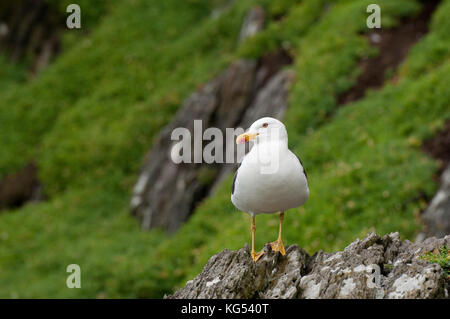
(285,188)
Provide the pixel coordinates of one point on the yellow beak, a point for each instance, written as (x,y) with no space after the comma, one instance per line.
(244,138)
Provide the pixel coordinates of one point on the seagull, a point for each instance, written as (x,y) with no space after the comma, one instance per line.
(271,178)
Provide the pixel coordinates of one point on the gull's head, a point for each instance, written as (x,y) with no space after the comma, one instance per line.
(266,129)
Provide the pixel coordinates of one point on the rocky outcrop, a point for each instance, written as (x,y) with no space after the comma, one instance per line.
(436,218)
(437,215)
(374,267)
(166,193)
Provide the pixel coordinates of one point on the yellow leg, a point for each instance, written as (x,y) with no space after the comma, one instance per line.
(255,256)
(278,244)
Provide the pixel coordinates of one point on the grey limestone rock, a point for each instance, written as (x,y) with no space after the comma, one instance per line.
(437,215)
(374,267)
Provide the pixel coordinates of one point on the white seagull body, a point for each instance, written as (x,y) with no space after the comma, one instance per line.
(271,178)
(257,193)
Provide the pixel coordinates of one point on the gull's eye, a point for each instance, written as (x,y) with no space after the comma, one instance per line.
(265,125)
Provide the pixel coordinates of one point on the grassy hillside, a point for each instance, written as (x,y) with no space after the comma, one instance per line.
(10,74)
(89,119)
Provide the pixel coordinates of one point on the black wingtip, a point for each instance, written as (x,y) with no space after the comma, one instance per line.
(234,181)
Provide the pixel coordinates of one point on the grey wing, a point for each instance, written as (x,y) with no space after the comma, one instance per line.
(304,171)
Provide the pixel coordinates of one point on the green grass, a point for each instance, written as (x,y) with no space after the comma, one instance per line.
(89,119)
(10,74)
(86,227)
(442,258)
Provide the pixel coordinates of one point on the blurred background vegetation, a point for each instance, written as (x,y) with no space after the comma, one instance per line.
(88,119)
